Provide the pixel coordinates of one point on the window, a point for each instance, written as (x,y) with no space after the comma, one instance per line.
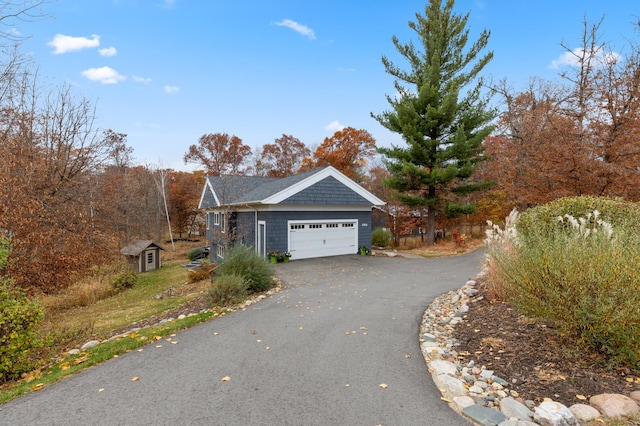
(223,224)
(297,226)
(332,225)
(220,251)
(149,257)
(216,218)
(315,225)
(347,225)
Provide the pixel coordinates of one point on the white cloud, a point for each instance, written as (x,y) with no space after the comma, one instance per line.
(299,28)
(571,58)
(138,79)
(171,89)
(105,75)
(334,126)
(108,51)
(64,43)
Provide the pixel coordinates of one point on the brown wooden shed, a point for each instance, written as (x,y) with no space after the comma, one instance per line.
(143,255)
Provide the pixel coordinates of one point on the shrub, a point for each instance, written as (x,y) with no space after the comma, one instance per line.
(579,273)
(194,253)
(227,290)
(198,274)
(380,237)
(124,280)
(242,260)
(18,318)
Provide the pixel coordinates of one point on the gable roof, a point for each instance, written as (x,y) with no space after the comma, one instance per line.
(240,190)
(138,247)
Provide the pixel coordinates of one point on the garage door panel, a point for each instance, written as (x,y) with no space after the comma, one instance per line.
(330,238)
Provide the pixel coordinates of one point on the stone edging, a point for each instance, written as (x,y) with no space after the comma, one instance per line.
(485,399)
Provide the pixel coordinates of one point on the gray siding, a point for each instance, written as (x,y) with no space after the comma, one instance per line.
(327,191)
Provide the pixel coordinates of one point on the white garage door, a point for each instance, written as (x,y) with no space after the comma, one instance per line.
(322,238)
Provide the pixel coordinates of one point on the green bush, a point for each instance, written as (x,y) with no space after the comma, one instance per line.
(124,280)
(380,237)
(18,318)
(580,273)
(194,253)
(227,290)
(244,261)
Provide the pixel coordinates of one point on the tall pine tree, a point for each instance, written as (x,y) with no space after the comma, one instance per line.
(440,113)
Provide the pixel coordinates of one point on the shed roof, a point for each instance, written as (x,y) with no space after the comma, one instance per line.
(134,249)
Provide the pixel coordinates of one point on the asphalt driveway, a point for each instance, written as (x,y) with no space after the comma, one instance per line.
(314,354)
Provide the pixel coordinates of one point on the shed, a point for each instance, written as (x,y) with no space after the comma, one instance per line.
(143,255)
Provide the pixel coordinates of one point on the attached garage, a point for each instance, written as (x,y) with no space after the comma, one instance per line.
(317,238)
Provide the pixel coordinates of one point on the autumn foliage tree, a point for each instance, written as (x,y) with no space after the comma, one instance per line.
(575,136)
(283,157)
(219,153)
(184,195)
(348,150)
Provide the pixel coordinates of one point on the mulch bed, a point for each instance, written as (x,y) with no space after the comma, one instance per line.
(531,356)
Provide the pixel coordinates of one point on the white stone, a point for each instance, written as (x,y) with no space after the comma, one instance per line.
(486,374)
(463,401)
(513,422)
(471,283)
(635,395)
(90,344)
(551,413)
(182,316)
(449,386)
(74,351)
(443,367)
(584,413)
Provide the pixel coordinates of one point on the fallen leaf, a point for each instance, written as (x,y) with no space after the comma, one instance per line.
(259,341)
(157,337)
(407,356)
(135,378)
(140,350)
(445,399)
(80,360)
(384,385)
(300,328)
(158,346)
(267,348)
(174,343)
(581,397)
(101,390)
(363,328)
(629,379)
(254,332)
(347,333)
(133,335)
(37,387)
(215,334)
(347,385)
(64,366)
(226,379)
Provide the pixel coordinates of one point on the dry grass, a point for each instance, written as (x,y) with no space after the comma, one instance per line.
(92,308)
(444,247)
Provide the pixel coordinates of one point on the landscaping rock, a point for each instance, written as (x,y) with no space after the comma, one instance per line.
(443,367)
(449,386)
(584,413)
(90,344)
(463,402)
(551,413)
(512,408)
(484,416)
(635,395)
(74,351)
(614,405)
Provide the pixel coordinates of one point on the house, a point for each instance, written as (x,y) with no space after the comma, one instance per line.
(317,213)
(143,255)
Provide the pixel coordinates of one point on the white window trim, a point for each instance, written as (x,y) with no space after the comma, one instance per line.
(220,251)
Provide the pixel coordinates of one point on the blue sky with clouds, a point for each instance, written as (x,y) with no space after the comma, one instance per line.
(165,72)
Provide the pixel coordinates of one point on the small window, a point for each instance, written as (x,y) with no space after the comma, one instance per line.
(315,226)
(297,227)
(347,225)
(216,218)
(332,225)
(223,224)
(220,251)
(149,257)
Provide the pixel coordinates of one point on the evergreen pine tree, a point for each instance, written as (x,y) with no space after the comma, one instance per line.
(440,113)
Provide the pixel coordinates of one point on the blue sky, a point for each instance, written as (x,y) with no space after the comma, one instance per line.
(165,72)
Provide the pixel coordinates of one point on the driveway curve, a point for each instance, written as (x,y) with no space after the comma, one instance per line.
(317,353)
